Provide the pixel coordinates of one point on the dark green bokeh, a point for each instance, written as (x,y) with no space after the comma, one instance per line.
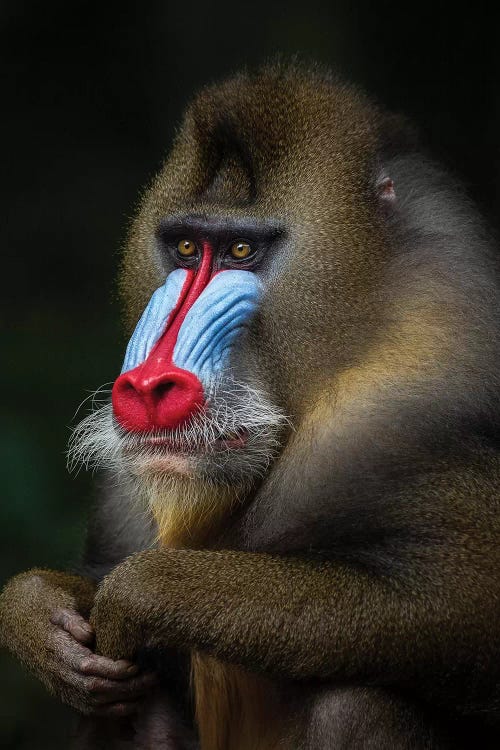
(90,99)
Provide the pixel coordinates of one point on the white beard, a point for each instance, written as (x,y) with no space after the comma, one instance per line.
(192,481)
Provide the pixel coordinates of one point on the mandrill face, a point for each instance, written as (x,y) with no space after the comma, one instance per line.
(180,404)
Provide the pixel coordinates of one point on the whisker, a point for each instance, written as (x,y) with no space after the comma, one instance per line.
(234,407)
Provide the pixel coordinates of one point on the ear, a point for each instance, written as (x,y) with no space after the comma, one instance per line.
(386,191)
(397,137)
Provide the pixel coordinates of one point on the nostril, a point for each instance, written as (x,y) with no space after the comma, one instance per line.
(176,397)
(161,390)
(129,407)
(127,388)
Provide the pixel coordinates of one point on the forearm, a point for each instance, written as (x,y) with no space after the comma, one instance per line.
(290,617)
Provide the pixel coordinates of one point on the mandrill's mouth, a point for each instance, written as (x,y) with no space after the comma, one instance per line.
(178,453)
(235,440)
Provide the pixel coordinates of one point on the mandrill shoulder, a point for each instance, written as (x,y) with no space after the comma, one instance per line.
(377,499)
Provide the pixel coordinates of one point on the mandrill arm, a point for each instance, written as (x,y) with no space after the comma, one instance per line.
(44,621)
(304,619)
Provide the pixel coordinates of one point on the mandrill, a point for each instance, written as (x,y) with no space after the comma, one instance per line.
(298,541)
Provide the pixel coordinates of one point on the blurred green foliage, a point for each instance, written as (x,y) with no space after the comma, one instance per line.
(90,99)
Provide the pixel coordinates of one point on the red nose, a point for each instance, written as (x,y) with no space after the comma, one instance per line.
(144,400)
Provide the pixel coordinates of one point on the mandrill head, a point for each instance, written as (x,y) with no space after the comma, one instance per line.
(281,272)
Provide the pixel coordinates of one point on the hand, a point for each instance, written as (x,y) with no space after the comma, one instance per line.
(91,683)
(40,623)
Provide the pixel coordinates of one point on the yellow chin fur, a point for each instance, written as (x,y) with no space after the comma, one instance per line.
(187,510)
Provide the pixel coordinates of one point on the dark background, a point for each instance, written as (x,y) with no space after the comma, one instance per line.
(91,95)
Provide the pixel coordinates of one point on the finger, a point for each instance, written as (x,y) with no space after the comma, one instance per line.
(101,666)
(111,691)
(67,651)
(80,658)
(72,622)
(93,692)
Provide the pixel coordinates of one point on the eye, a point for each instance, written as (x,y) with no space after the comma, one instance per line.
(241,250)
(186,248)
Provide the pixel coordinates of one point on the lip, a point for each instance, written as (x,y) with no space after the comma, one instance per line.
(235,441)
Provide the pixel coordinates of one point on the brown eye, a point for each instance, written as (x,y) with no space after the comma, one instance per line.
(186,248)
(241,250)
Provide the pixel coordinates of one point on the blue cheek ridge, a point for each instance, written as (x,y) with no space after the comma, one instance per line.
(153,320)
(217,317)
